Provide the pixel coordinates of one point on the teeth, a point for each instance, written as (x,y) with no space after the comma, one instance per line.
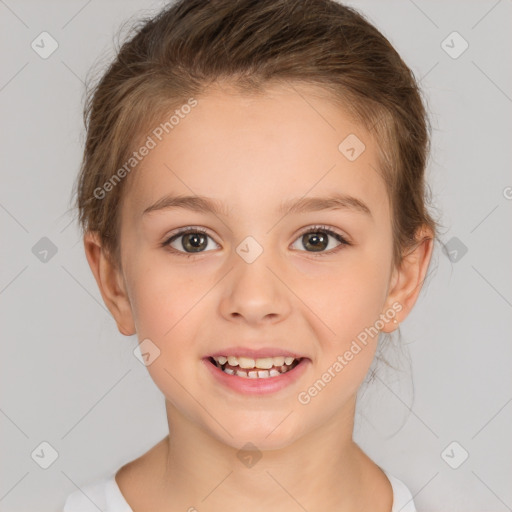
(262,363)
(265,362)
(246,362)
(262,368)
(233,361)
(253,374)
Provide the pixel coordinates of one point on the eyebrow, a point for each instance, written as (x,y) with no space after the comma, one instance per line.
(306,204)
(195,203)
(333,202)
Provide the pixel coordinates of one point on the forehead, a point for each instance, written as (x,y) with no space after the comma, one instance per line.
(254,150)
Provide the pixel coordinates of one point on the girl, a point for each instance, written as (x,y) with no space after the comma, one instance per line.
(252,198)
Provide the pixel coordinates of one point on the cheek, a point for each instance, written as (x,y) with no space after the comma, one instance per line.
(168,307)
(350,303)
(163,296)
(168,311)
(349,300)
(365,280)
(351,297)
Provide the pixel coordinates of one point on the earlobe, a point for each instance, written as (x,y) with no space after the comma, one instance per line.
(408,279)
(110,283)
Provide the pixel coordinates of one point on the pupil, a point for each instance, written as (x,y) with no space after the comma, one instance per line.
(194,240)
(316,238)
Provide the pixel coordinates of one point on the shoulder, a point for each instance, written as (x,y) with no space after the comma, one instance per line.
(402,498)
(102,494)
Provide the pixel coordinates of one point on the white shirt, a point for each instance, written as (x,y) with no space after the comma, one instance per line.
(105,495)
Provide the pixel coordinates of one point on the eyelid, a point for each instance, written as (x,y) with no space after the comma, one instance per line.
(344,241)
(331,231)
(184,231)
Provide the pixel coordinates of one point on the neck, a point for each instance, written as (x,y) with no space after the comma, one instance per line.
(322,470)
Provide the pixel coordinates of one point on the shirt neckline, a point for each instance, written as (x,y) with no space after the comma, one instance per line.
(402,499)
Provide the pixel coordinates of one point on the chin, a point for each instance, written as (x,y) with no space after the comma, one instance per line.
(264,431)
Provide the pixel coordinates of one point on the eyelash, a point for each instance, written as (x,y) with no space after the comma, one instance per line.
(312,229)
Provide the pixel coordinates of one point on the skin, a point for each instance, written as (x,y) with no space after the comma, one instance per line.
(251,152)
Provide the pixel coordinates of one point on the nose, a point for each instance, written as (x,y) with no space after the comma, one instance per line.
(255,292)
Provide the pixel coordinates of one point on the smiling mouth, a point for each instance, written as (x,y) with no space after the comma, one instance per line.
(263,368)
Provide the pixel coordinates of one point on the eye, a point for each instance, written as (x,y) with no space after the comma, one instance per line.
(189,241)
(316,238)
(195,240)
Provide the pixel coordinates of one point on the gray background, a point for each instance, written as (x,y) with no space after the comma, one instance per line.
(70,379)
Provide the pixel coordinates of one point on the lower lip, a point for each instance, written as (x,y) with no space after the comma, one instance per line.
(257,386)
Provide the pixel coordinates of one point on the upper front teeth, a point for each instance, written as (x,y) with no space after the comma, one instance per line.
(265,363)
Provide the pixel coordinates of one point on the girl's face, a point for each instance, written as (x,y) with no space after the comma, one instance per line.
(254,284)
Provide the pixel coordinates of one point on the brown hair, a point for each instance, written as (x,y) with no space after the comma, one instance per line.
(192,44)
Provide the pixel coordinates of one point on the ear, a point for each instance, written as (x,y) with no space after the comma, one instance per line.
(110,282)
(407,280)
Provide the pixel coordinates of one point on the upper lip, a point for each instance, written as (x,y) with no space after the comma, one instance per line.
(256,353)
